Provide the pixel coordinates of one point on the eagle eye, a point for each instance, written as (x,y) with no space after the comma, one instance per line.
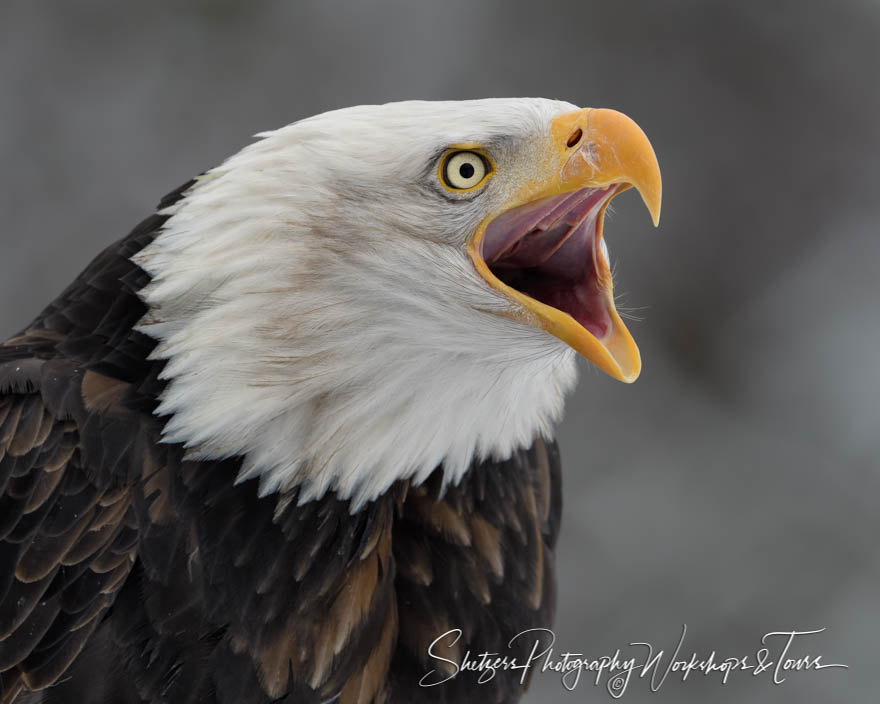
(464,170)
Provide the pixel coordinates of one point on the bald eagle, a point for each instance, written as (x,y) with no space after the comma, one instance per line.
(299,423)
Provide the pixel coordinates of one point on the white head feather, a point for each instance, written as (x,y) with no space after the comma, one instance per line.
(320,316)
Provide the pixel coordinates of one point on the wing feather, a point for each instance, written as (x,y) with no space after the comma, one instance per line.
(65,546)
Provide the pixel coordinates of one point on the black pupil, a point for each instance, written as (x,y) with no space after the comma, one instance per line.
(466,170)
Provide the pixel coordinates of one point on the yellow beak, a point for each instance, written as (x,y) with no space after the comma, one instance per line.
(589,148)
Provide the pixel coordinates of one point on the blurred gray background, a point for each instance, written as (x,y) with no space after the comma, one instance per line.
(735,487)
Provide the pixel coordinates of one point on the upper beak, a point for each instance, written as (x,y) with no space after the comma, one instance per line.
(615,151)
(589,149)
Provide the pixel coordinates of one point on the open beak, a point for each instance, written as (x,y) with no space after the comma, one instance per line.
(544,249)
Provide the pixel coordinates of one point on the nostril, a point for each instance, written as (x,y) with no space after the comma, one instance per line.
(574,138)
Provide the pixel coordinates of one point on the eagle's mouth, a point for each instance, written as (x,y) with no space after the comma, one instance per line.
(551,251)
(547,255)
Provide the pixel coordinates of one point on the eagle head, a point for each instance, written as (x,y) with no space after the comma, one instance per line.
(369,294)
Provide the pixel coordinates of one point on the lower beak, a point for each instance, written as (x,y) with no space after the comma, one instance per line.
(544,249)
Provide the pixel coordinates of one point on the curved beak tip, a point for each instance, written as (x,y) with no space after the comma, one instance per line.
(653,206)
(624,151)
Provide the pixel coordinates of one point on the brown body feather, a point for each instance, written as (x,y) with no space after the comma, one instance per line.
(128,574)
